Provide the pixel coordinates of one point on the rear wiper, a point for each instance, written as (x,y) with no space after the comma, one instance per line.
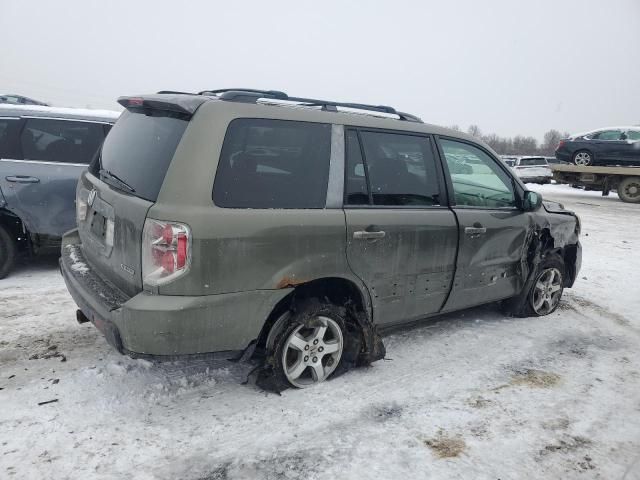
(114,178)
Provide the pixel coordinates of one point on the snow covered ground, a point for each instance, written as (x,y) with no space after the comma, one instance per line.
(471,395)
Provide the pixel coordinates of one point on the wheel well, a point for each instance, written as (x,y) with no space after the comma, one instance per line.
(338,291)
(583,150)
(15,227)
(568,254)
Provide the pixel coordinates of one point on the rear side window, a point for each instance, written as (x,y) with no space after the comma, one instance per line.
(62,141)
(399,170)
(139,149)
(273,164)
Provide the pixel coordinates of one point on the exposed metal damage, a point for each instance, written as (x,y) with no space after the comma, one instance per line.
(545,238)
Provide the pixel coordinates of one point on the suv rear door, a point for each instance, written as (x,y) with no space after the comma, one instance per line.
(40,183)
(401,239)
(493,229)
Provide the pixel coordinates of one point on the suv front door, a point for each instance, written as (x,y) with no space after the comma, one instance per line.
(493,230)
(40,184)
(401,239)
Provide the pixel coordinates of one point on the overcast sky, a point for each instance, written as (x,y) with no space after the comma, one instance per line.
(512,67)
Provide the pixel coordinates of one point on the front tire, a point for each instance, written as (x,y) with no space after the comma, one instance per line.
(8,252)
(583,158)
(629,190)
(309,347)
(546,292)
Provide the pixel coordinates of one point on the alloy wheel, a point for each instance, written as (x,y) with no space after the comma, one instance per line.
(311,354)
(582,158)
(547,291)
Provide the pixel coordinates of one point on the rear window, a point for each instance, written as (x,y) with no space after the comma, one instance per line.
(139,149)
(527,162)
(273,164)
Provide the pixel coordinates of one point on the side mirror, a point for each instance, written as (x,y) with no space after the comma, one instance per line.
(531,201)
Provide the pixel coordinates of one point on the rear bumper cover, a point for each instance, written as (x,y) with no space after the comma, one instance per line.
(164,325)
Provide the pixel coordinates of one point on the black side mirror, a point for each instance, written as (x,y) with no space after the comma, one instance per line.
(531,201)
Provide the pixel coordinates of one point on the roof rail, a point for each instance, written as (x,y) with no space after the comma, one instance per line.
(249,95)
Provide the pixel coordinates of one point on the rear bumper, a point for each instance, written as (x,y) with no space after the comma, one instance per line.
(536,179)
(164,325)
(563,155)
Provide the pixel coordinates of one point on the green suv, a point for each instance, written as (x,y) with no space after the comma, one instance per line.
(296,229)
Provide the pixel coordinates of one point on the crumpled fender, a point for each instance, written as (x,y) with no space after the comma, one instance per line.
(547,233)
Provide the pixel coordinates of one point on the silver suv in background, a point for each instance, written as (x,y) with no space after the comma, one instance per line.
(43,150)
(530,169)
(295,229)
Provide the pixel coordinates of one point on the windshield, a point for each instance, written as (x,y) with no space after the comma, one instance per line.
(138,150)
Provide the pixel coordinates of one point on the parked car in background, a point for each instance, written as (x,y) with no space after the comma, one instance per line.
(605,146)
(43,150)
(20,100)
(227,220)
(530,169)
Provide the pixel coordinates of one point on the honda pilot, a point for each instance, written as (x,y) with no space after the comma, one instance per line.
(295,230)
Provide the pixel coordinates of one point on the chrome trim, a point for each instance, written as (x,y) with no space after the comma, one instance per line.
(9,118)
(335,188)
(43,162)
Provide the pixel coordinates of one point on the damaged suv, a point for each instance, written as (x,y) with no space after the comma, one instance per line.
(296,229)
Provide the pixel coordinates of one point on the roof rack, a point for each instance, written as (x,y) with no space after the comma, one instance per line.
(249,95)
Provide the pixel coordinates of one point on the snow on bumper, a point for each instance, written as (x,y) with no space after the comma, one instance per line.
(164,325)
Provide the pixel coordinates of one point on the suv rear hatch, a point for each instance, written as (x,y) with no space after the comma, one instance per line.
(123,182)
(533,167)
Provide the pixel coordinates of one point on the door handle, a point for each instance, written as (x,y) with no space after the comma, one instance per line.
(364,235)
(474,231)
(22,179)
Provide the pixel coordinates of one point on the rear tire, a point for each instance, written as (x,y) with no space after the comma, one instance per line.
(583,158)
(8,252)
(629,190)
(309,347)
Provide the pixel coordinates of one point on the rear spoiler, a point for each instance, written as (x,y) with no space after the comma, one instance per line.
(177,103)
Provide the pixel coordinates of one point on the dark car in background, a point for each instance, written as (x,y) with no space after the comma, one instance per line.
(43,151)
(20,100)
(605,146)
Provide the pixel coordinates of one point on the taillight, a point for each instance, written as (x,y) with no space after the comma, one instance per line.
(166,251)
(81,208)
(560,144)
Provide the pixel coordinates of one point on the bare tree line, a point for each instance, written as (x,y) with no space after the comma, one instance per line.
(520,144)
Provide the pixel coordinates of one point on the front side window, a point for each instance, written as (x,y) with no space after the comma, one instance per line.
(482,183)
(607,135)
(63,141)
(398,170)
(273,164)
